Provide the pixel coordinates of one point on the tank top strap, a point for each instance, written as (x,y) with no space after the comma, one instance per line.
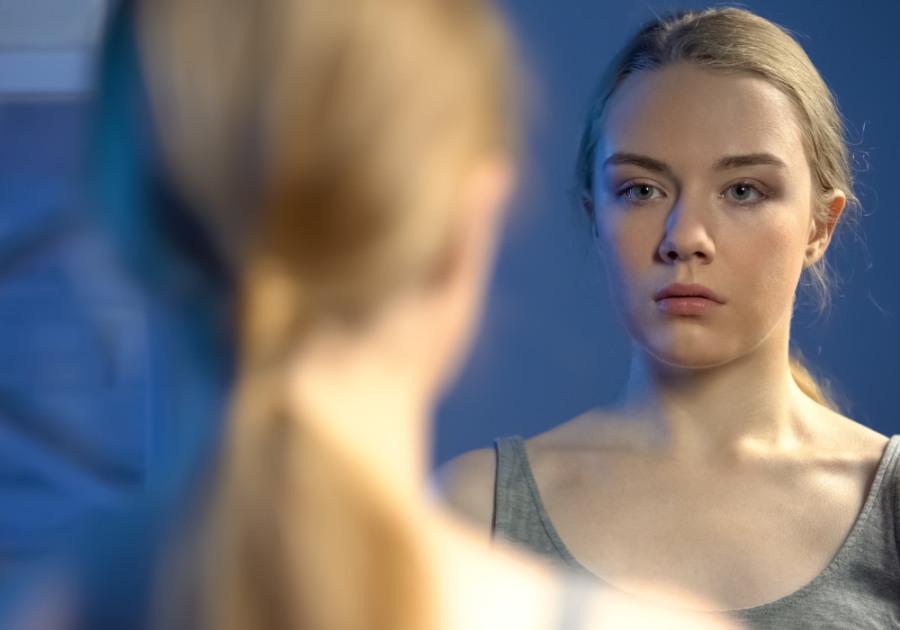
(520,518)
(519,513)
(509,485)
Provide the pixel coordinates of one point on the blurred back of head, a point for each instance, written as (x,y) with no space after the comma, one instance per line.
(321,146)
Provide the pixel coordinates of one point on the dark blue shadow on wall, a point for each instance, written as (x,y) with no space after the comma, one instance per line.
(79,376)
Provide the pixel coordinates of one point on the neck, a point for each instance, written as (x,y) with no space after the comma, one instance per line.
(749,402)
(364,409)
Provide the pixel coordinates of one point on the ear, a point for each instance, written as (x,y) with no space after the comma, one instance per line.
(820,233)
(448,313)
(476,226)
(484,205)
(587,203)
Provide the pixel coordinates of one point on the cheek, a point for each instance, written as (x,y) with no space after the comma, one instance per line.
(628,245)
(760,265)
(766,261)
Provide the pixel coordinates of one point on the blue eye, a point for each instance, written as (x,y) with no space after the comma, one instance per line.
(743,192)
(641,192)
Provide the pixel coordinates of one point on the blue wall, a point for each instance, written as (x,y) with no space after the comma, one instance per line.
(79,375)
(552,347)
(79,349)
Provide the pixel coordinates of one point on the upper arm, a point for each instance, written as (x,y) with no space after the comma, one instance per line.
(466,483)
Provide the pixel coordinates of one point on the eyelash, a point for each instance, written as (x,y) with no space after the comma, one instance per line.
(763,194)
(622,192)
(629,186)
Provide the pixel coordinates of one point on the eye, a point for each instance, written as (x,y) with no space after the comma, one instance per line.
(641,192)
(743,192)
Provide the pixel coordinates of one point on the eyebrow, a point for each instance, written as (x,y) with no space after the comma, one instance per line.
(636,159)
(722,164)
(750,159)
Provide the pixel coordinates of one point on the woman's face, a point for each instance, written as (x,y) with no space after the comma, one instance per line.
(701,179)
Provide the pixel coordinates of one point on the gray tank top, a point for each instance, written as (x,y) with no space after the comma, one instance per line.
(859,589)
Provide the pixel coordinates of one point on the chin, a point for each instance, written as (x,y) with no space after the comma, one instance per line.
(695,350)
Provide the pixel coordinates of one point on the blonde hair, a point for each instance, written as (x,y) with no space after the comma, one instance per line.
(323,145)
(731,40)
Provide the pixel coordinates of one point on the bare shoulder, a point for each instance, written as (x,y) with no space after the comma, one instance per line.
(467,482)
(598,430)
(852,440)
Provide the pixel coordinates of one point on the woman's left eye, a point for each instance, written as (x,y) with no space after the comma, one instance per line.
(743,192)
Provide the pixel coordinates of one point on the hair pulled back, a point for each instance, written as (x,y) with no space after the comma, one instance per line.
(322,145)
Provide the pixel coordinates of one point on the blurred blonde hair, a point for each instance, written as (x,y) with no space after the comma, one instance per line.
(732,40)
(323,144)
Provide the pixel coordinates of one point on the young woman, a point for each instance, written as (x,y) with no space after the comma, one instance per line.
(344,163)
(714,171)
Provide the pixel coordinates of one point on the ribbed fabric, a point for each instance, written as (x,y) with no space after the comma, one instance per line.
(859,589)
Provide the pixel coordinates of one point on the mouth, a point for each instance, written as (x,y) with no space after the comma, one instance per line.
(687,299)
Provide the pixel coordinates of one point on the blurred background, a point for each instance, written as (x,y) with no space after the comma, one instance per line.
(81,384)
(83,394)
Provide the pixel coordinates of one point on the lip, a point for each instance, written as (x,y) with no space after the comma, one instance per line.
(687,299)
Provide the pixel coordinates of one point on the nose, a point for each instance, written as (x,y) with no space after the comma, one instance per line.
(687,234)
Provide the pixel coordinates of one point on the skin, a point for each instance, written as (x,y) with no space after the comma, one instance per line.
(713,473)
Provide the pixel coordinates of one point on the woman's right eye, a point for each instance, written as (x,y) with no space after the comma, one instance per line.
(641,192)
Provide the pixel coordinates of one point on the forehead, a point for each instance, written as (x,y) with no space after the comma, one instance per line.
(685,115)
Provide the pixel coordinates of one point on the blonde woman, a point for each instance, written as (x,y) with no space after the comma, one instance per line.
(343,164)
(713,172)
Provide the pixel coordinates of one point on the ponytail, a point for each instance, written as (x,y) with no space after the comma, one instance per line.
(299,535)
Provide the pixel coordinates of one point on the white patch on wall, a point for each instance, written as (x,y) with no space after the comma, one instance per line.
(47,46)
